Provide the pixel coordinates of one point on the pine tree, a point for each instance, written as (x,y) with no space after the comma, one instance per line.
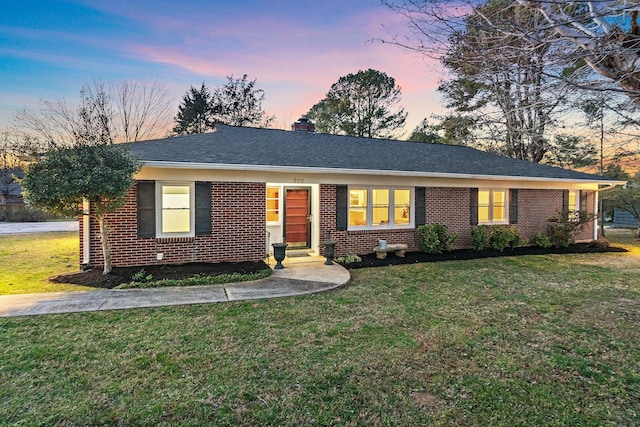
(194,113)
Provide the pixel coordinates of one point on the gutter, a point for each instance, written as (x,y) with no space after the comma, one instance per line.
(341,171)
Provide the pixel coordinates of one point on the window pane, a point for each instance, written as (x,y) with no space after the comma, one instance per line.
(358,207)
(273,204)
(176,209)
(484,198)
(273,192)
(402,206)
(176,221)
(175,197)
(483,214)
(572,201)
(499,211)
(380,207)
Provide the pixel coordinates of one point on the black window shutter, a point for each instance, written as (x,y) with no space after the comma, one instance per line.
(341,207)
(420,206)
(203,208)
(146,201)
(565,201)
(474,206)
(513,206)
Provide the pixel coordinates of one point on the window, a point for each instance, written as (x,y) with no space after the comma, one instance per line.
(273,204)
(573,205)
(358,207)
(402,207)
(380,207)
(175,210)
(492,206)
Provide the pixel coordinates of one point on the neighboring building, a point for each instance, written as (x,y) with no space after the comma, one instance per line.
(226,195)
(624,219)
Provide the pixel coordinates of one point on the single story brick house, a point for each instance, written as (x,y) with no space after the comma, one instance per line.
(227,195)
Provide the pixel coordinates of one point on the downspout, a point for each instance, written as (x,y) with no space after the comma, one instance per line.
(86,234)
(595,208)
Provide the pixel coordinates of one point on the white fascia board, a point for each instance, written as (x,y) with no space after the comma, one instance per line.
(337,171)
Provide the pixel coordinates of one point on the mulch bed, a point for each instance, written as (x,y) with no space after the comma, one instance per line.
(95,278)
(371,260)
(119,275)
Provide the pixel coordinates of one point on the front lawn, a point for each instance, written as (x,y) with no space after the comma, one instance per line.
(28,260)
(532,340)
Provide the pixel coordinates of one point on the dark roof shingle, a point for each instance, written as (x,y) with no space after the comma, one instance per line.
(277,148)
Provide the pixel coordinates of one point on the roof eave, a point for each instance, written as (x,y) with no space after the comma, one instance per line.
(342,171)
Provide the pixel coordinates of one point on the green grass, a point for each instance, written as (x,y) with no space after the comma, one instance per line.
(536,340)
(27,260)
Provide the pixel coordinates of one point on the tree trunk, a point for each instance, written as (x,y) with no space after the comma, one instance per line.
(106,248)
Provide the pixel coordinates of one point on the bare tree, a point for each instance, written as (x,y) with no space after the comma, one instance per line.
(124,111)
(142,109)
(599,36)
(604,34)
(505,90)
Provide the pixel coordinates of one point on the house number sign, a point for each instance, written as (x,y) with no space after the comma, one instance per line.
(298,180)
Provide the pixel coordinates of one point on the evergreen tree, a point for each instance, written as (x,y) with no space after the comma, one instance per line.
(424,133)
(194,113)
(362,104)
(239,103)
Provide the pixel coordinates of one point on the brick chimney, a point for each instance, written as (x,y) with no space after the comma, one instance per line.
(304,125)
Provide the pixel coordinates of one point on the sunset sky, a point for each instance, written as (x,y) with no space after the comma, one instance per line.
(295,49)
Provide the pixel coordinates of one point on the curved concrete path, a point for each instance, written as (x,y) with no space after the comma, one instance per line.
(301,276)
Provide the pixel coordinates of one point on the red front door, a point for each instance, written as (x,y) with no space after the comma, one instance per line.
(297,214)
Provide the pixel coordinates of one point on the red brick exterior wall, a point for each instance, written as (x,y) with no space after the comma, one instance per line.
(535,207)
(239,227)
(238,232)
(451,207)
(448,206)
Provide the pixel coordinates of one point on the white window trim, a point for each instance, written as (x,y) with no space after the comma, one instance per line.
(506,206)
(280,203)
(369,210)
(574,214)
(192,209)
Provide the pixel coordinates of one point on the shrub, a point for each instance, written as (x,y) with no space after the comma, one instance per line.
(348,259)
(542,240)
(565,225)
(501,237)
(479,238)
(496,237)
(436,238)
(141,277)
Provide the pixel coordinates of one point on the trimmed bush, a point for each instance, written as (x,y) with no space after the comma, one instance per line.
(542,240)
(502,237)
(479,238)
(496,237)
(436,238)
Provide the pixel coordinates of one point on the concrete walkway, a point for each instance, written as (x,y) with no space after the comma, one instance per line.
(301,276)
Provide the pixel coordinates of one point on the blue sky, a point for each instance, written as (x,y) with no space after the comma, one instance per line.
(295,49)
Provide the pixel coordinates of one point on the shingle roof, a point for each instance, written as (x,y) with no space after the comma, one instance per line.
(271,148)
